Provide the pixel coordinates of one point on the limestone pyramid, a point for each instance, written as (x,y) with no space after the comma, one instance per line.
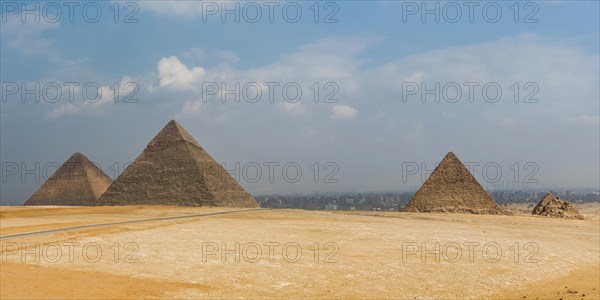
(452,188)
(552,206)
(77,182)
(175,170)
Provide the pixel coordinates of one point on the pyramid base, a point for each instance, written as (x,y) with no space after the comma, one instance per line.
(249,203)
(459,210)
(557,213)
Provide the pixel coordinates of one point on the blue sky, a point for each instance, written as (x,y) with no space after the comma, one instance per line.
(371,54)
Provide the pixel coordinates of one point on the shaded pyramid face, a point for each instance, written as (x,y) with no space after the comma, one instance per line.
(77,182)
(452,188)
(175,170)
(552,206)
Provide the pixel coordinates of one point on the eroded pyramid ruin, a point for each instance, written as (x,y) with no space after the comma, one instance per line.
(452,188)
(175,170)
(552,206)
(76,182)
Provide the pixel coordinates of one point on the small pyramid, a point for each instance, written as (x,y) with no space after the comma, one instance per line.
(552,206)
(452,188)
(175,170)
(78,182)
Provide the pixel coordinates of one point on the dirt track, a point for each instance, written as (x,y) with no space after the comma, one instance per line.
(360,255)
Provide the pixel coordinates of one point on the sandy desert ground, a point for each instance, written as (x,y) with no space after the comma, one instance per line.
(273,254)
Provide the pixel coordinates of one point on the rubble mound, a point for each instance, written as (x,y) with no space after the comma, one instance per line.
(552,206)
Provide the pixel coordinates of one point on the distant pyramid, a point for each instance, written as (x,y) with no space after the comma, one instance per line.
(552,206)
(175,170)
(77,182)
(452,188)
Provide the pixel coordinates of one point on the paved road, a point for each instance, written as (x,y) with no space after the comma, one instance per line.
(35,233)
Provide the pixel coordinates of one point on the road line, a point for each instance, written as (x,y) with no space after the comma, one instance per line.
(35,233)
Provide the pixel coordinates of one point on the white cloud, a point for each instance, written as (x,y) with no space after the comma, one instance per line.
(173,8)
(561,71)
(192,107)
(585,119)
(197,53)
(25,36)
(222,118)
(307,132)
(64,110)
(94,101)
(31,38)
(339,112)
(173,73)
(292,107)
(187,9)
(226,56)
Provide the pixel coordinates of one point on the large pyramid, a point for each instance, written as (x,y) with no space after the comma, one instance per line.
(77,182)
(552,206)
(452,188)
(175,170)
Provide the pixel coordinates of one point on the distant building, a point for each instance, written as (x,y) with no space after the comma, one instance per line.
(331,207)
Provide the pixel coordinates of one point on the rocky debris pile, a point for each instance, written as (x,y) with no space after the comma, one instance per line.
(552,206)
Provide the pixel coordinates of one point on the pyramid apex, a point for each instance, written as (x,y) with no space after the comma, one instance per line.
(173,131)
(451,154)
(77,155)
(451,158)
(175,124)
